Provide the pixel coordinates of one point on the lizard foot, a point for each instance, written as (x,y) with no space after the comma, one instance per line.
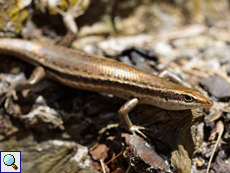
(137,129)
(6,95)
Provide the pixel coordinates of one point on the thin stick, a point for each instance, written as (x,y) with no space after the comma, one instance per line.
(102,166)
(128,169)
(113,158)
(220,130)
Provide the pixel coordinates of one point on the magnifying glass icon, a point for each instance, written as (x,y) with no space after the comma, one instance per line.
(9,160)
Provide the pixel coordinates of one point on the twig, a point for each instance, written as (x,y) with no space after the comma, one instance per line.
(113,158)
(190,71)
(223,75)
(128,169)
(219,130)
(110,160)
(102,166)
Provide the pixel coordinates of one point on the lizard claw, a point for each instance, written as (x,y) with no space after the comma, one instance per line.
(6,96)
(136,129)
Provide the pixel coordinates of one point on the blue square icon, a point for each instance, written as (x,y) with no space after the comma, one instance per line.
(10,161)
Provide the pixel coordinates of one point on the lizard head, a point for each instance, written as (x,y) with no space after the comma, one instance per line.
(186,98)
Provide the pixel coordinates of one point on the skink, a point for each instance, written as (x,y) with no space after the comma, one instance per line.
(85,71)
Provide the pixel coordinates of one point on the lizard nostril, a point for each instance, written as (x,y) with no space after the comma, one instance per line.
(209,102)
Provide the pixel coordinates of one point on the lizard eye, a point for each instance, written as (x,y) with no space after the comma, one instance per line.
(187,98)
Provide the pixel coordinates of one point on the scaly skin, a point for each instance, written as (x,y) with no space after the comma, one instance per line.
(99,74)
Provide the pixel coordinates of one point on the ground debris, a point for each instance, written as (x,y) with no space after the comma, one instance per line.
(138,150)
(221,163)
(158,32)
